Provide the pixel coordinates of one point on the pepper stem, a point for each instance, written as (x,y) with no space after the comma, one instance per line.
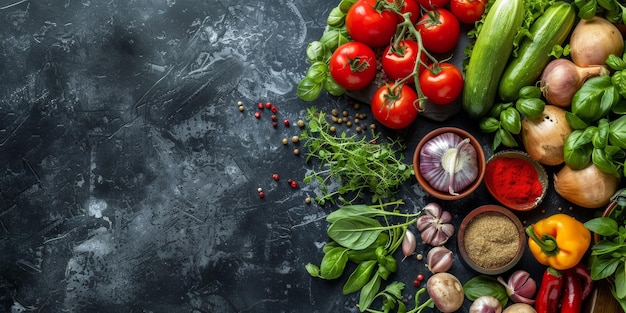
(547,243)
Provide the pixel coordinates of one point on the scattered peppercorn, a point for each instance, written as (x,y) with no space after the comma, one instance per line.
(333,129)
(274,109)
(275,124)
(287,123)
(345,113)
(295,139)
(296,151)
(261,194)
(301,123)
(285,141)
(420,277)
(259,189)
(294,184)
(419,257)
(257,114)
(307,200)
(416,283)
(274,117)
(275,177)
(260,106)
(268,105)
(334,112)
(241,108)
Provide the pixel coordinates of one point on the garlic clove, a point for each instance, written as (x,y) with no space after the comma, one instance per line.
(439,259)
(409,243)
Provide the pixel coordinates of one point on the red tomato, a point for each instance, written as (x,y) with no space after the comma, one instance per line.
(399,61)
(409,6)
(431,4)
(468,11)
(440,30)
(353,65)
(395,106)
(370,26)
(442,83)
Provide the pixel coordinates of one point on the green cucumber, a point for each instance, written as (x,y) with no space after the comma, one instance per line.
(490,55)
(548,30)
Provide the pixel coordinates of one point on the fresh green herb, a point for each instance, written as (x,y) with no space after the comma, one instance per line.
(608,256)
(357,163)
(359,236)
(598,117)
(505,119)
(483,285)
(613,10)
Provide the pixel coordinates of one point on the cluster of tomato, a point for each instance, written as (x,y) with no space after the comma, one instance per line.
(432,28)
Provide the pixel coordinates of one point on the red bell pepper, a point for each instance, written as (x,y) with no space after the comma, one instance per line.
(549,294)
(572,299)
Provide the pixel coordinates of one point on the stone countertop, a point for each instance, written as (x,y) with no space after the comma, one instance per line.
(130,175)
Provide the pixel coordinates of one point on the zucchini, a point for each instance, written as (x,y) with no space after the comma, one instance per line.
(490,55)
(548,30)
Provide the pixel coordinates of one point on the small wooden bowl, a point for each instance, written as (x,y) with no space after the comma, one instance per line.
(540,172)
(480,154)
(517,229)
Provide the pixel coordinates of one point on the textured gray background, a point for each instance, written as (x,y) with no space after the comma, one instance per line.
(129,177)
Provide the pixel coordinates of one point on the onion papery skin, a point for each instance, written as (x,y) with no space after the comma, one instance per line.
(544,137)
(589,187)
(593,40)
(438,174)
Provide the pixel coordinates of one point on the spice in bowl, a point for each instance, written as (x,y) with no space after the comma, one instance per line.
(491,239)
(516,180)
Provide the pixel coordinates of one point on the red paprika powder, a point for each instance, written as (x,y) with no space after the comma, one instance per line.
(514,182)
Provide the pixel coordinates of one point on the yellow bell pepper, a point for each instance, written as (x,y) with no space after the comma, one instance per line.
(559,241)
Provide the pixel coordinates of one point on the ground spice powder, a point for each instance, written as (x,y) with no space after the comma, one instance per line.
(513,181)
(491,240)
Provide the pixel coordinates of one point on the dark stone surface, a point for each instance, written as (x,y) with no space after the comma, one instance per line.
(130,177)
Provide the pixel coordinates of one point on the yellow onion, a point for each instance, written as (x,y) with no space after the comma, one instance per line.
(589,187)
(544,136)
(593,40)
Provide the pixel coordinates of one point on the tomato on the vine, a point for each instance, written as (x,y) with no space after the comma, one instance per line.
(353,65)
(409,6)
(395,105)
(398,60)
(432,4)
(369,22)
(468,11)
(440,30)
(442,83)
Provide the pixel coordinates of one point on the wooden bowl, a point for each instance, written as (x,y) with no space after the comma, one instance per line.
(480,154)
(521,202)
(491,240)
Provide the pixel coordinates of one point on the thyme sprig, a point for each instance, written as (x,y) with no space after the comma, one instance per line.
(357,164)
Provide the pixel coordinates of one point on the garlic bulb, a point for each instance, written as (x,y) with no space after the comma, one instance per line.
(439,259)
(435,225)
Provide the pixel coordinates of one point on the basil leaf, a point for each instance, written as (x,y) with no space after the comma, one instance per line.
(604,247)
(316,51)
(530,107)
(356,232)
(603,226)
(332,87)
(510,120)
(530,92)
(317,72)
(617,132)
(507,138)
(498,108)
(604,161)
(368,292)
(489,124)
(619,81)
(577,149)
(333,38)
(313,270)
(336,18)
(333,263)
(594,99)
(345,5)
(359,277)
(601,136)
(308,89)
(609,5)
(586,8)
(483,285)
(620,107)
(603,266)
(352,210)
(620,281)
(574,121)
(615,62)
